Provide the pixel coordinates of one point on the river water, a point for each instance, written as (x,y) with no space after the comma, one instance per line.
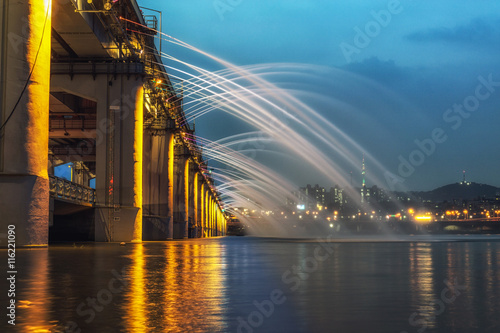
(245,284)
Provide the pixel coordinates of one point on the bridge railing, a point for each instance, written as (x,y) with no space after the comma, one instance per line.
(65,189)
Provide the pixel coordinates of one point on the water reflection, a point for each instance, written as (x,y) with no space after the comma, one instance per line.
(422,282)
(179,288)
(33,299)
(208,285)
(135,300)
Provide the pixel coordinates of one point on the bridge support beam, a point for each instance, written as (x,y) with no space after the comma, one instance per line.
(196,204)
(202,210)
(171,185)
(119,163)
(211,210)
(158,152)
(205,211)
(119,151)
(191,198)
(181,195)
(24,113)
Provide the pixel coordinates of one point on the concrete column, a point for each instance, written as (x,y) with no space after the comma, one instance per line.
(24,114)
(222,224)
(219,222)
(203,210)
(181,197)
(196,203)
(119,160)
(119,151)
(188,193)
(214,212)
(171,187)
(211,215)
(156,183)
(216,218)
(200,206)
(206,214)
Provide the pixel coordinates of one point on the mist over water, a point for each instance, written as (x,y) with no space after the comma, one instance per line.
(279,141)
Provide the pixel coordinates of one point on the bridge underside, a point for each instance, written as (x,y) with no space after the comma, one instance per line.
(95,101)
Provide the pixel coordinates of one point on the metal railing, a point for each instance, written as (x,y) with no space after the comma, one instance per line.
(65,189)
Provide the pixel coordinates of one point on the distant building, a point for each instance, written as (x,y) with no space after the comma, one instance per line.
(334,199)
(314,196)
(365,191)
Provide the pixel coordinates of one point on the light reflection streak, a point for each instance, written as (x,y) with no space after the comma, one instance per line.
(194,288)
(33,301)
(135,300)
(422,280)
(181,290)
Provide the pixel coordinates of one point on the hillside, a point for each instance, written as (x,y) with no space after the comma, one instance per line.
(459,191)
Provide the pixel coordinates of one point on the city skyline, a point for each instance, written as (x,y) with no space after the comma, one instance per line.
(418,94)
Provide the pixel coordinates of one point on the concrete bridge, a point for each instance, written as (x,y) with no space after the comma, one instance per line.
(82,82)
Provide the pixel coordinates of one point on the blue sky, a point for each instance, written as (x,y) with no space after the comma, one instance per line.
(425,55)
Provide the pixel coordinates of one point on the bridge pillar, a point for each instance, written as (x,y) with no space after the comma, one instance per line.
(211,214)
(119,162)
(158,153)
(216,218)
(206,229)
(119,150)
(193,192)
(193,213)
(24,114)
(189,198)
(171,186)
(202,210)
(214,207)
(218,221)
(181,192)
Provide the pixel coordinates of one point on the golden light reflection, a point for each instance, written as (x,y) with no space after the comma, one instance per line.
(422,279)
(136,297)
(177,290)
(193,293)
(32,302)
